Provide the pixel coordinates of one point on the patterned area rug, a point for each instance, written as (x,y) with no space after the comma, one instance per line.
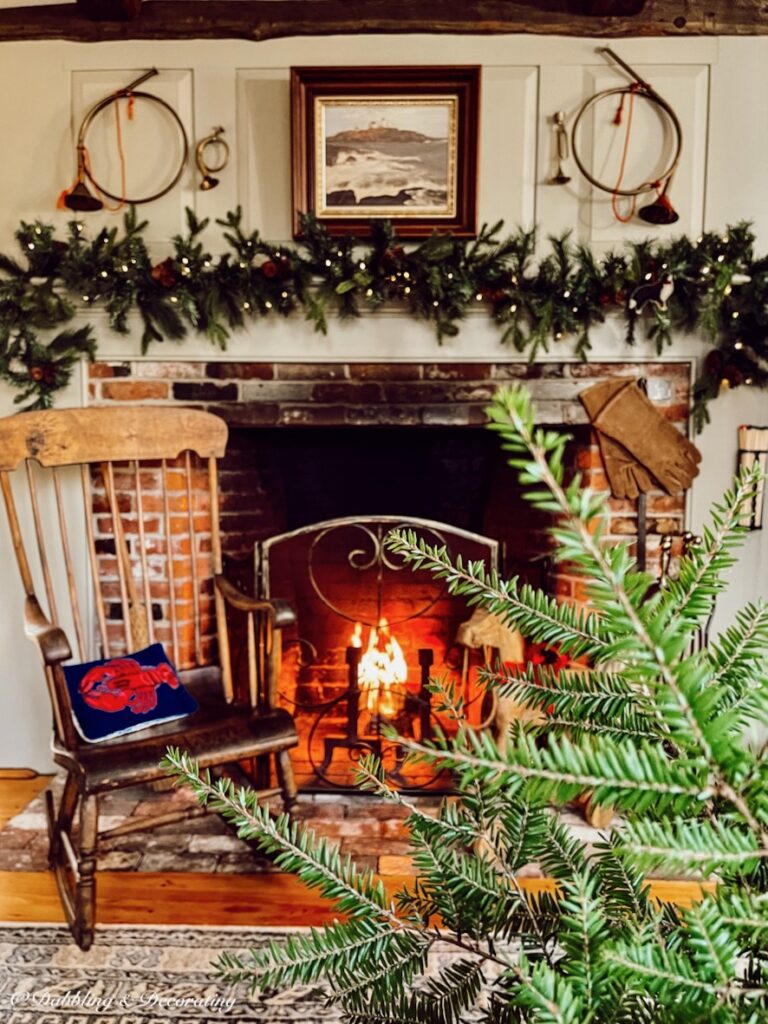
(139,976)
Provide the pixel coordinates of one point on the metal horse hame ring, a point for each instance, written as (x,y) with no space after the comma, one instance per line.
(641,89)
(130,90)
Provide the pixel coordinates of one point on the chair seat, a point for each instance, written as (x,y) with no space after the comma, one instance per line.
(217,733)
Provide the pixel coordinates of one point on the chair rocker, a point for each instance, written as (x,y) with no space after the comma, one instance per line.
(123,502)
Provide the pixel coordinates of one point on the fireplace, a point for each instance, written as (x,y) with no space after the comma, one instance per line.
(327,498)
(314,443)
(369,634)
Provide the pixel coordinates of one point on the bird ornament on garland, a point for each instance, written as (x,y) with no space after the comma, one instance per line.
(658,293)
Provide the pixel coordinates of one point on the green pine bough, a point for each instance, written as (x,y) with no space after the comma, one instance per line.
(654,728)
(720,292)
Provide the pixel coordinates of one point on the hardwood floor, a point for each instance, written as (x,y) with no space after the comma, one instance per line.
(196,899)
(17,787)
(170,898)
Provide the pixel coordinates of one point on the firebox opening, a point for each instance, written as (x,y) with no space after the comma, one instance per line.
(362,623)
(274,480)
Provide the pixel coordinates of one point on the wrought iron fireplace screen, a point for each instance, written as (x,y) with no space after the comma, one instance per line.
(339,572)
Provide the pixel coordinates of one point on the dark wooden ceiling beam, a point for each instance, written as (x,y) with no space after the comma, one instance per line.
(270,19)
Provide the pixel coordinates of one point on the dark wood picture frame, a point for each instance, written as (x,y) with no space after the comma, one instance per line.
(448,96)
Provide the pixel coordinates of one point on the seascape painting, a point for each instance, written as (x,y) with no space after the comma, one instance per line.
(386,157)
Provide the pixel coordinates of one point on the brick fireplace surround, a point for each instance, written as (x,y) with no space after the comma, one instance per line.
(262,401)
(273,396)
(418,395)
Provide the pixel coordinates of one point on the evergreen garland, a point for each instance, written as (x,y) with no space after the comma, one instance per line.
(654,729)
(720,292)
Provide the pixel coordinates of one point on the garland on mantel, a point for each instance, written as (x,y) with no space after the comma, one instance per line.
(720,290)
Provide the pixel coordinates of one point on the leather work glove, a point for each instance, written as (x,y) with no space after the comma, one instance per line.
(625,474)
(627,478)
(624,414)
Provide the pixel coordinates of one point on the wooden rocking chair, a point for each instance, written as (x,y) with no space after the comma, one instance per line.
(142,484)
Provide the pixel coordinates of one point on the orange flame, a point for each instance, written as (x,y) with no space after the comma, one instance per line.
(382,668)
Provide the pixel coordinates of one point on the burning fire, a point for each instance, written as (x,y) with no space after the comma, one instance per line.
(382,667)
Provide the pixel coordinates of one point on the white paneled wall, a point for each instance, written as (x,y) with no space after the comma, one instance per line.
(715,85)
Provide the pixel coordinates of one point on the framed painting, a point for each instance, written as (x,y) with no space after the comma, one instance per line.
(395,143)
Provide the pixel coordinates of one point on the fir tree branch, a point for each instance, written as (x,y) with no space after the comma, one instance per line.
(539,617)
(339,952)
(384,982)
(576,726)
(692,592)
(622,890)
(551,997)
(739,648)
(489,838)
(563,855)
(617,772)
(674,975)
(746,913)
(713,947)
(590,702)
(512,408)
(604,693)
(689,846)
(519,822)
(445,999)
(301,852)
(583,934)
(321,867)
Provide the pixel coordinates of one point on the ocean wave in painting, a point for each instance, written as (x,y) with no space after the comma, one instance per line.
(408,174)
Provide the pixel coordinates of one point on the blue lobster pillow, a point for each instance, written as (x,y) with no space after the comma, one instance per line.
(116,696)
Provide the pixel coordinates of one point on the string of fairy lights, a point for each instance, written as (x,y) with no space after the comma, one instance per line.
(537,295)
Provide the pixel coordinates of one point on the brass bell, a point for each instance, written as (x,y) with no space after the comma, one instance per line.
(82,199)
(208,183)
(661,210)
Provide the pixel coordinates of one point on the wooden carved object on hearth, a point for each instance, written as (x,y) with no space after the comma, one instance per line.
(131,494)
(270,19)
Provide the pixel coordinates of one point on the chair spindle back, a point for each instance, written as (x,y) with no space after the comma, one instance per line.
(113,514)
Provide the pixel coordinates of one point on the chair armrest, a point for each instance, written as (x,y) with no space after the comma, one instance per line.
(51,640)
(280,611)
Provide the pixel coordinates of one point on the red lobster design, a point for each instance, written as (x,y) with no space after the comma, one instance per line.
(124,683)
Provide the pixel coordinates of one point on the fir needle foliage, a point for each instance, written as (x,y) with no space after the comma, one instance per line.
(538,293)
(654,728)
